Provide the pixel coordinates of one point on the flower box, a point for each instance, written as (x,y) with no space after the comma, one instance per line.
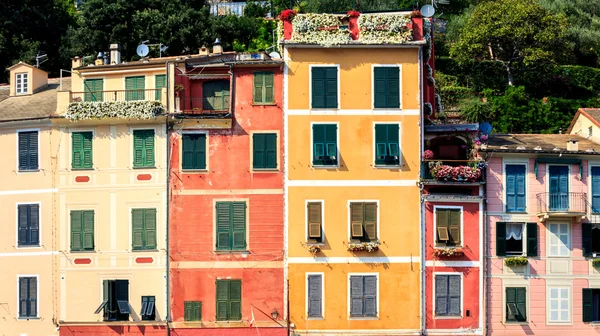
(364,246)
(442,252)
(136,109)
(443,172)
(596,262)
(516,261)
(314,249)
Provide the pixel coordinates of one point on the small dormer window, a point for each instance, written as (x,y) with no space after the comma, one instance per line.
(21,83)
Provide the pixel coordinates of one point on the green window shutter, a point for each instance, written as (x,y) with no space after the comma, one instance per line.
(259,82)
(238,227)
(269,96)
(586,237)
(160,81)
(500,239)
(149,148)
(87,149)
(318,144)
(235,300)
(511,300)
(150,228)
(134,87)
(331,84)
(223,225)
(381,147)
(222,300)
(143,148)
(93,89)
(370,221)
(454,226)
(76,231)
(82,150)
(331,144)
(215,95)
(318,87)
(137,229)
(522,304)
(381,87)
(197,310)
(88,230)
(587,296)
(532,237)
(194,151)
(192,311)
(387,144)
(187,311)
(393,86)
(271,151)
(259,155)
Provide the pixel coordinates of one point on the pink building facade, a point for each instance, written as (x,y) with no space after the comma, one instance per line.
(541,237)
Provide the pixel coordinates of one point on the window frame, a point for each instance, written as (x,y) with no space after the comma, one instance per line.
(462,296)
(374,147)
(206,159)
(523,240)
(462,225)
(349,296)
(101,296)
(548,239)
(247,228)
(504,303)
(229,281)
(70,244)
(192,320)
(569,178)
(310,91)
(158,92)
(37,316)
(264,88)
(144,239)
(384,109)
(306,295)
(39,244)
(148,317)
(23,89)
(569,289)
(349,223)
(306,202)
(277,149)
(505,184)
(39,150)
(90,130)
(312,145)
(132,131)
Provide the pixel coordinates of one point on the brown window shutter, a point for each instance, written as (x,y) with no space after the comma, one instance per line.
(441,222)
(454,226)
(371,221)
(314,220)
(356,219)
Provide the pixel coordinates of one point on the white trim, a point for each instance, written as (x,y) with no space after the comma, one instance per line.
(112,72)
(39,150)
(180,152)
(28,254)
(462,224)
(515,162)
(462,295)
(337,145)
(322,296)
(27,192)
(548,237)
(339,93)
(374,145)
(349,213)
(452,263)
(39,203)
(549,287)
(322,220)
(352,183)
(354,112)
(349,296)
(353,260)
(397,65)
(70,147)
(37,298)
(21,89)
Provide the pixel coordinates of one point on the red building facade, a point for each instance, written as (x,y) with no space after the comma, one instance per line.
(226,197)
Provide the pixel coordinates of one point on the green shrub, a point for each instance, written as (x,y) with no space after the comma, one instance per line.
(516,261)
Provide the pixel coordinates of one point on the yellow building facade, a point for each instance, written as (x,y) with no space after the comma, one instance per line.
(352,207)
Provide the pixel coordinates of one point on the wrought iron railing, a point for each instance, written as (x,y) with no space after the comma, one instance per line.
(202,105)
(562,202)
(117,95)
(452,170)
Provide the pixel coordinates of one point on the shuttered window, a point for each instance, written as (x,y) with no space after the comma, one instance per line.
(363,296)
(324,87)
(596,189)
(29,224)
(160,81)
(28,150)
(143,148)
(193,151)
(115,300)
(215,95)
(229,300)
(590,236)
(315,295)
(386,87)
(82,230)
(135,88)
(147,311)
(515,188)
(263,87)
(314,222)
(93,89)
(363,220)
(28,297)
(516,304)
(231,225)
(387,144)
(447,295)
(264,147)
(591,304)
(143,229)
(82,150)
(192,311)
(448,223)
(325,144)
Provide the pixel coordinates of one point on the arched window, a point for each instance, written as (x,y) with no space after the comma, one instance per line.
(215,95)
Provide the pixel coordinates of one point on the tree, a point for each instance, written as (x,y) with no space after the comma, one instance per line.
(512,32)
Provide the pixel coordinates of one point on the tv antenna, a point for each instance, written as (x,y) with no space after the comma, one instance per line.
(161,47)
(39,59)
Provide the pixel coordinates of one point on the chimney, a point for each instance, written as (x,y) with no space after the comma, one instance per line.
(99,59)
(573,145)
(115,54)
(76,62)
(204,51)
(217,48)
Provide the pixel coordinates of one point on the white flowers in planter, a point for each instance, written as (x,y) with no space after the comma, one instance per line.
(384,28)
(137,109)
(322,29)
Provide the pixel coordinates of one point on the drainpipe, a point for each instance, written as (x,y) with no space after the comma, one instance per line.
(421,147)
(484,259)
(168,143)
(231,94)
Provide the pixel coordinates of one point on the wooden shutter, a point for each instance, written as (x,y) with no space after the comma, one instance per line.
(194,151)
(511,299)
(520,189)
(356,296)
(393,86)
(138,148)
(93,89)
(238,228)
(441,222)
(106,298)
(381,86)
(258,142)
(331,143)
(137,229)
(33,297)
(160,81)
(88,230)
(222,300)
(23,235)
(192,311)
(500,239)
(235,300)
(318,144)
(23,150)
(331,84)
(357,219)
(197,310)
(86,147)
(370,231)
(34,224)
(223,225)
(150,228)
(130,84)
(216,95)
(370,295)
(318,87)
(32,154)
(441,295)
(314,220)
(76,231)
(23,297)
(269,87)
(454,295)
(381,143)
(393,143)
(271,150)
(315,295)
(149,148)
(122,294)
(511,183)
(588,309)
(454,226)
(522,304)
(532,236)
(77,149)
(586,237)
(596,189)
(259,82)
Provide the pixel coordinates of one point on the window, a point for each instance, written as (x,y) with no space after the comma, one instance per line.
(314,222)
(231,225)
(363,296)
(324,144)
(559,188)
(264,147)
(447,295)
(596,189)
(515,188)
(516,304)
(194,151)
(559,304)
(386,87)
(591,304)
(510,239)
(22,85)
(135,88)
(263,87)
(82,230)
(143,230)
(559,240)
(29,225)
(115,301)
(93,90)
(160,81)
(314,294)
(192,311)
(387,144)
(324,87)
(590,131)
(28,150)
(363,221)
(28,293)
(143,148)
(229,300)
(147,312)
(590,236)
(215,95)
(448,222)
(82,150)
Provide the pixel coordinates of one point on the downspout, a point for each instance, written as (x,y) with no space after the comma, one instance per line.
(422,238)
(168,143)
(231,94)
(484,266)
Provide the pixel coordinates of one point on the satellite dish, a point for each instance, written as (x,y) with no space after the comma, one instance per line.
(485,128)
(427,11)
(142,50)
(274,55)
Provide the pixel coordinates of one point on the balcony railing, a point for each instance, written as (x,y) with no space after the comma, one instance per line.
(452,170)
(233,8)
(567,202)
(203,105)
(117,95)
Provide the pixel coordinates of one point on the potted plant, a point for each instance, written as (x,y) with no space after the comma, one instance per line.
(314,249)
(364,246)
(441,252)
(516,261)
(596,262)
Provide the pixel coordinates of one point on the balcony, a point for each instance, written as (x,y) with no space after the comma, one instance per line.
(117,95)
(116,104)
(203,106)
(558,204)
(452,171)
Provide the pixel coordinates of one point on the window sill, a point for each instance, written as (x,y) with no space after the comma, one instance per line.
(315,244)
(365,318)
(26,247)
(82,251)
(82,169)
(516,323)
(516,212)
(144,250)
(315,318)
(448,317)
(231,252)
(194,171)
(149,167)
(325,166)
(28,318)
(265,170)
(264,104)
(384,166)
(29,171)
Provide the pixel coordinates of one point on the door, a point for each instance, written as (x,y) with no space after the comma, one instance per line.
(559,188)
